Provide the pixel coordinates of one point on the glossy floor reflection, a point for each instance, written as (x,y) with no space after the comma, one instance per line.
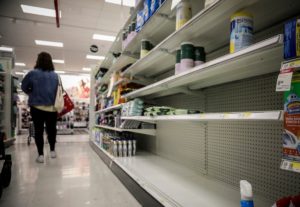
(77,178)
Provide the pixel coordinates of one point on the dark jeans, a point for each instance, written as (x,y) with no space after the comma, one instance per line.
(40,118)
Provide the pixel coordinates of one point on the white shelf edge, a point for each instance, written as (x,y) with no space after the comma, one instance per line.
(163,84)
(108,127)
(109,109)
(259,115)
(151,132)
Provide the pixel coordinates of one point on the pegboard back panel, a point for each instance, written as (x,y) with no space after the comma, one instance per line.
(232,150)
(182,101)
(183,142)
(254,94)
(252,151)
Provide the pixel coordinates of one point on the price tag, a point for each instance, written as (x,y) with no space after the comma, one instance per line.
(247,114)
(284,81)
(202,116)
(290,165)
(296,166)
(226,115)
(286,165)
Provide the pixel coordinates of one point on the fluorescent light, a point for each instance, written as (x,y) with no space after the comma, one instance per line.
(86,69)
(19,73)
(114,1)
(58,61)
(104,37)
(20,64)
(49,43)
(6,49)
(39,11)
(130,3)
(94,57)
(60,71)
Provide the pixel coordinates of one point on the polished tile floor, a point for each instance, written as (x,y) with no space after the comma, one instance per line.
(77,178)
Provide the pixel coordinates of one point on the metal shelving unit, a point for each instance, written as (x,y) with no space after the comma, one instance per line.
(209,24)
(198,160)
(231,67)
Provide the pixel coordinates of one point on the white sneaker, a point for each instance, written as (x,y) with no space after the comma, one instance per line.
(40,159)
(53,154)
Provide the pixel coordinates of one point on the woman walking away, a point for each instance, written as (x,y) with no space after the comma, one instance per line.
(40,85)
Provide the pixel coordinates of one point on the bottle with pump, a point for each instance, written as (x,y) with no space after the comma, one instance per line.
(246,194)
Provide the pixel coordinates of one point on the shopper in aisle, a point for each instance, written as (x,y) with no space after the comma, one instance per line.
(40,85)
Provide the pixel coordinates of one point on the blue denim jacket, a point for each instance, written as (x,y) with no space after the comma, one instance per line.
(41,87)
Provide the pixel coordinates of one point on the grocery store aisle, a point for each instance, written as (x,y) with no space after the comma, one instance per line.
(76,178)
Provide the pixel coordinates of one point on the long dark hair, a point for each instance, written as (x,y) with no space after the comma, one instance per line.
(44,62)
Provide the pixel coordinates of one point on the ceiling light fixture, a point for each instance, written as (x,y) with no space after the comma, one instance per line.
(49,43)
(6,49)
(129,3)
(114,1)
(58,61)
(86,69)
(39,11)
(60,71)
(94,57)
(104,37)
(19,73)
(20,64)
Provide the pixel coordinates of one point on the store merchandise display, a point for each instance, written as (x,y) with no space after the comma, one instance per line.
(117,144)
(65,124)
(25,116)
(218,45)
(81,114)
(292,39)
(147,8)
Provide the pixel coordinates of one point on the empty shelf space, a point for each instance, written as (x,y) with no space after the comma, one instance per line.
(151,132)
(231,67)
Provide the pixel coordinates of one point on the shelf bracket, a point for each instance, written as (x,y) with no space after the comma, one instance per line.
(166,16)
(130,54)
(188,91)
(164,50)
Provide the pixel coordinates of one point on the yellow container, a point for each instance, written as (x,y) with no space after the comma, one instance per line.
(183,13)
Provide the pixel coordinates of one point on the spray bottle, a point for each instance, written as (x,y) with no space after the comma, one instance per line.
(246,194)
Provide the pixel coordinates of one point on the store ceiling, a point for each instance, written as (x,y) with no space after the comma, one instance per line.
(80,20)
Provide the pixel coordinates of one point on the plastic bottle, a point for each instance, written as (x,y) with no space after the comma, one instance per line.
(120,148)
(129,148)
(124,148)
(134,147)
(246,194)
(115,148)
